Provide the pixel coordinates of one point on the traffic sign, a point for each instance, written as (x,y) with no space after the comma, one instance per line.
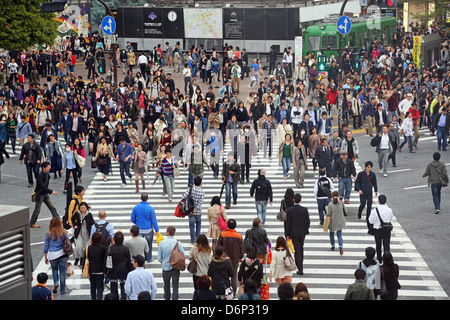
(344,25)
(108,25)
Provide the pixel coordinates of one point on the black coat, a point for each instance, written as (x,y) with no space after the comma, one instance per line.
(77,221)
(297,221)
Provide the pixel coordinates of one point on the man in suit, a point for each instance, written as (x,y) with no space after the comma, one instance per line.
(380,118)
(297,227)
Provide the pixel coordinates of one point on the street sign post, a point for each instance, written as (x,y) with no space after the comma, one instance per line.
(108,25)
(344,25)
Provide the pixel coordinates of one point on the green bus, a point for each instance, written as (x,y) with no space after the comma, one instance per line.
(324,35)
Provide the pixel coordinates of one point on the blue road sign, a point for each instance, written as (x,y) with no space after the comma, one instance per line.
(344,25)
(108,25)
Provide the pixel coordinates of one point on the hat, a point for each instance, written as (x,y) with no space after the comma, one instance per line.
(344,152)
(139,259)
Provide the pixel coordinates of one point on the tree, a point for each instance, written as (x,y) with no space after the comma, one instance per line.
(23,24)
(431,11)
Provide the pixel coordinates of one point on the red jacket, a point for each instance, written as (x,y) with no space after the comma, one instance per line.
(331,96)
(415,115)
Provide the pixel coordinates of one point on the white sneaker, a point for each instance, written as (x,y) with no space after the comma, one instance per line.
(385,174)
(381,170)
(123,184)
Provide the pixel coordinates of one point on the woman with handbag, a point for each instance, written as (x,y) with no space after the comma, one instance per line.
(82,222)
(103,157)
(80,152)
(214,211)
(199,257)
(336,211)
(220,270)
(54,151)
(138,164)
(278,269)
(54,253)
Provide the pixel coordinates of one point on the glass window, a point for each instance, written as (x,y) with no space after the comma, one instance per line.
(313,43)
(329,41)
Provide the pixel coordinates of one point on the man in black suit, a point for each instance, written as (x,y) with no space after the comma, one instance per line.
(380,118)
(297,227)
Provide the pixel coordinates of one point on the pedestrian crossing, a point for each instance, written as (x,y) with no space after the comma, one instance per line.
(327,274)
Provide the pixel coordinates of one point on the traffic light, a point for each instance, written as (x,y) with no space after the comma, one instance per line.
(54,6)
(322,62)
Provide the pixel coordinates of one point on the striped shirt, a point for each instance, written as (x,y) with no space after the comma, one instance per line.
(166,166)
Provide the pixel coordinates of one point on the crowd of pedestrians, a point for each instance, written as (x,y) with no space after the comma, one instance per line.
(147,123)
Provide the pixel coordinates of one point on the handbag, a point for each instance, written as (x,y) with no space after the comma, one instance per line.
(85,273)
(281,216)
(291,245)
(229,293)
(79,159)
(193,264)
(289,262)
(178,212)
(326,223)
(67,246)
(102,160)
(222,223)
(386,227)
(69,269)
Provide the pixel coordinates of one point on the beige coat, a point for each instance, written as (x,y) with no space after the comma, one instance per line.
(213,218)
(280,151)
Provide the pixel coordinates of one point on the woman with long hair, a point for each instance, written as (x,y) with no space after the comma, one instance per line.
(389,274)
(277,267)
(139,162)
(336,212)
(201,253)
(54,253)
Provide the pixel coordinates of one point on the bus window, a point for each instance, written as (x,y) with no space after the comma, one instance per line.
(360,39)
(351,39)
(313,43)
(329,41)
(386,35)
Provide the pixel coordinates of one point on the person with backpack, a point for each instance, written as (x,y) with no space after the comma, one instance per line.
(372,269)
(105,228)
(262,190)
(322,192)
(74,206)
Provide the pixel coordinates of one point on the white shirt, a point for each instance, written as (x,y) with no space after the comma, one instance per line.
(384,144)
(386,215)
(404,105)
(186,72)
(297,119)
(142,59)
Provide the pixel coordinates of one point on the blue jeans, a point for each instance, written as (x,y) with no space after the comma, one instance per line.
(436,192)
(228,187)
(391,114)
(59,272)
(410,138)
(261,207)
(339,236)
(321,206)
(195,225)
(286,162)
(442,137)
(124,169)
(345,188)
(149,238)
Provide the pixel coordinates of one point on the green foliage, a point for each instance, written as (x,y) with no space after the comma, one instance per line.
(22,24)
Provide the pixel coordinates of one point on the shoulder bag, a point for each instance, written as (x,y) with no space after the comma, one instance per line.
(177,260)
(289,262)
(67,246)
(281,216)
(193,264)
(386,227)
(222,223)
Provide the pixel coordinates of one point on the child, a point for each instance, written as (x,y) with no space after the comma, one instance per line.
(41,291)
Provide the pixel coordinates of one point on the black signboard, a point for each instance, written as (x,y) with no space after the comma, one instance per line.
(276,24)
(173,23)
(153,22)
(208,44)
(233,23)
(132,23)
(255,24)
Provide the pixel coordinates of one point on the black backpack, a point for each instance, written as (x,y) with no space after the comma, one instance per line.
(101,228)
(187,204)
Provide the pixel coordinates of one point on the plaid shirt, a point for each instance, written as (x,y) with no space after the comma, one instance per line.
(197,195)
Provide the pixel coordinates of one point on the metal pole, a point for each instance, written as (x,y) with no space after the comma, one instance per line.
(341,60)
(113,46)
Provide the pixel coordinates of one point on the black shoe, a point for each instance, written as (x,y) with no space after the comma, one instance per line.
(300,273)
